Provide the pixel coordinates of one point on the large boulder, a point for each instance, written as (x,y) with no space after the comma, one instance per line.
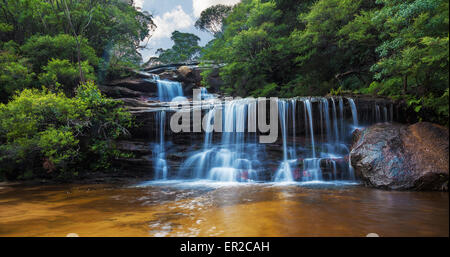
(402,157)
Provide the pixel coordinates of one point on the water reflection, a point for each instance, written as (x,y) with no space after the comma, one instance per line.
(204,208)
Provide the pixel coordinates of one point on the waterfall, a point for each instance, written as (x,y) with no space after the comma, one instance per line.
(377,113)
(308,109)
(294,106)
(326,115)
(159,151)
(204,94)
(168,90)
(311,166)
(354,112)
(318,152)
(335,124)
(235,157)
(284,172)
(355,125)
(341,116)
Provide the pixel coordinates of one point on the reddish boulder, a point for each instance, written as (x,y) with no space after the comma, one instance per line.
(402,157)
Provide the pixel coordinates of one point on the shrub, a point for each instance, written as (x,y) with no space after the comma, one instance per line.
(15,74)
(47,134)
(41,49)
(65,75)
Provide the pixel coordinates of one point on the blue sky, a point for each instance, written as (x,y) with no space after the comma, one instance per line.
(171,15)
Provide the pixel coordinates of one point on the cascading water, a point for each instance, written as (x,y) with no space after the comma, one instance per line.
(318,151)
(284,172)
(167,90)
(354,112)
(355,125)
(159,151)
(235,157)
(204,94)
(311,166)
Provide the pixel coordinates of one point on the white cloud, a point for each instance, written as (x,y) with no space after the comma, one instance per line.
(138,3)
(171,21)
(199,5)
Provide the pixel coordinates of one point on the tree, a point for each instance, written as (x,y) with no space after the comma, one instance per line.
(106,25)
(64,75)
(46,134)
(76,35)
(15,72)
(289,48)
(41,49)
(185,48)
(211,18)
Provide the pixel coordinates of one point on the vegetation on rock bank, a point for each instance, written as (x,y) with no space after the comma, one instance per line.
(290,48)
(54,122)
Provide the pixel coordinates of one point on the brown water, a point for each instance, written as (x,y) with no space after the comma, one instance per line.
(196,209)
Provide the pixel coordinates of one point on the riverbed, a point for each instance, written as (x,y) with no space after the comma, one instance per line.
(205,208)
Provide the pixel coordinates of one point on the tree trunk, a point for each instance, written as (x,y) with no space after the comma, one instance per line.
(82,80)
(405,84)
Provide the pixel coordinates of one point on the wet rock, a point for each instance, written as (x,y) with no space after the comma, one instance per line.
(118,92)
(214,81)
(139,84)
(402,157)
(137,147)
(135,102)
(170,75)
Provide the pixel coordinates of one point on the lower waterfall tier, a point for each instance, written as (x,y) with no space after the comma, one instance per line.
(313,137)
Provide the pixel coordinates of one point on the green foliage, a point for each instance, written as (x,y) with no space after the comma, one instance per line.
(119,62)
(110,32)
(15,74)
(65,127)
(48,134)
(211,18)
(392,48)
(185,48)
(65,75)
(41,49)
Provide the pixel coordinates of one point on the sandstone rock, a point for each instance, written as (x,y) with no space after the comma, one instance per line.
(401,157)
(184,71)
(170,75)
(136,84)
(135,102)
(118,92)
(137,147)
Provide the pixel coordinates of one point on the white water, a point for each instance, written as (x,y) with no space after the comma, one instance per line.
(319,154)
(168,90)
(229,159)
(284,173)
(159,151)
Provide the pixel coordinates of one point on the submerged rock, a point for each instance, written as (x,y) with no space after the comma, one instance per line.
(402,157)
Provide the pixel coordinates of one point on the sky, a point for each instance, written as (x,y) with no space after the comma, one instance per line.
(171,15)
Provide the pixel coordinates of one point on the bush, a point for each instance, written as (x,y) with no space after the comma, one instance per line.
(41,49)
(65,75)
(15,74)
(46,134)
